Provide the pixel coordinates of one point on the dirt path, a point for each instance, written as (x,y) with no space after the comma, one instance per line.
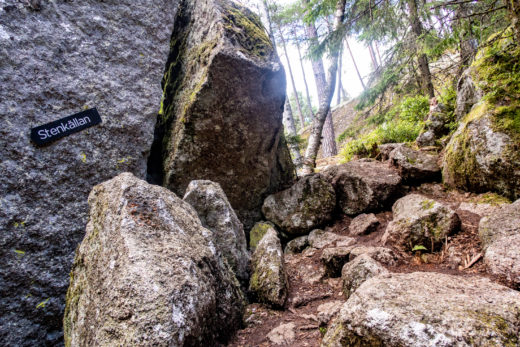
(309,287)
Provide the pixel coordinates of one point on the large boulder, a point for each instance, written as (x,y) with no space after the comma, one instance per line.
(420,221)
(148,273)
(257,232)
(500,236)
(364,185)
(221,112)
(427,309)
(415,166)
(484,153)
(217,215)
(57,59)
(268,279)
(481,157)
(301,208)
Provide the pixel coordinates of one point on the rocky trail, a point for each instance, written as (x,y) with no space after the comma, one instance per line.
(318,288)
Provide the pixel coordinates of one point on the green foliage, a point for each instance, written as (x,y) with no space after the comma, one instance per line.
(419,248)
(448,98)
(402,123)
(294,140)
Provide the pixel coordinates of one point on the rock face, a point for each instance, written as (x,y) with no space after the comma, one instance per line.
(363,224)
(415,166)
(221,114)
(481,158)
(436,124)
(57,59)
(500,237)
(217,215)
(363,185)
(268,279)
(301,208)
(148,273)
(484,153)
(420,221)
(358,271)
(427,309)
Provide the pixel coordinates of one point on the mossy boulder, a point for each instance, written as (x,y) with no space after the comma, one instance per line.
(500,236)
(221,112)
(306,205)
(148,273)
(427,309)
(419,221)
(357,271)
(415,166)
(257,233)
(268,283)
(484,153)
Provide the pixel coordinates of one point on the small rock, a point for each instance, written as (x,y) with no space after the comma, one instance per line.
(358,271)
(363,224)
(333,259)
(500,237)
(423,309)
(256,234)
(420,221)
(320,239)
(364,185)
(415,166)
(383,255)
(386,149)
(327,311)
(426,138)
(303,207)
(268,279)
(282,334)
(297,245)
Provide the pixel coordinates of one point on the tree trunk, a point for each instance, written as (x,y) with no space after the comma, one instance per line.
(340,86)
(375,65)
(305,80)
(288,122)
(309,161)
(355,65)
(295,92)
(424,68)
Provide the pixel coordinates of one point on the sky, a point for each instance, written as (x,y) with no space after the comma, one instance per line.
(350,80)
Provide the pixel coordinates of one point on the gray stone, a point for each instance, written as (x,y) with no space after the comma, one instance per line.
(426,138)
(333,259)
(468,94)
(148,273)
(297,245)
(268,279)
(383,255)
(327,311)
(386,148)
(500,237)
(320,239)
(358,271)
(363,224)
(282,335)
(364,185)
(415,166)
(221,114)
(420,221)
(303,207)
(427,309)
(217,215)
(56,60)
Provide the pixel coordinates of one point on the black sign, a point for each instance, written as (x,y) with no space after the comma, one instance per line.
(69,125)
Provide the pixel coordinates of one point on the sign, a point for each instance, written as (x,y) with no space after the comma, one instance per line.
(52,131)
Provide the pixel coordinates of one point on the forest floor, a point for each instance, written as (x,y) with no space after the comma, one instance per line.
(298,324)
